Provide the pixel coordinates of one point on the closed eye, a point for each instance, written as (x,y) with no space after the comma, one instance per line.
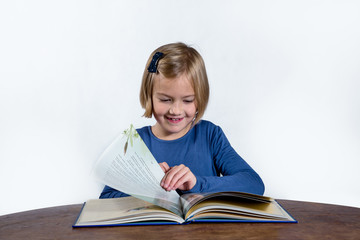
(188,100)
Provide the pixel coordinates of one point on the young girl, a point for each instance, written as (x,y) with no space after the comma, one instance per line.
(194,154)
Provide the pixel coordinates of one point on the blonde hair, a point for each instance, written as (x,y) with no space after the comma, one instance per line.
(177,59)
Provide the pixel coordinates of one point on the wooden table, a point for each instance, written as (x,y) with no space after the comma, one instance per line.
(315,221)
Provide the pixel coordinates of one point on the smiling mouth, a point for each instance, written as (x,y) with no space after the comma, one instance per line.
(174,120)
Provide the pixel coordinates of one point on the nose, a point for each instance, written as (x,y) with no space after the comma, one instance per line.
(175,108)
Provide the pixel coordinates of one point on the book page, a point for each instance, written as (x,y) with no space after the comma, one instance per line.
(122,210)
(248,208)
(233,205)
(191,199)
(128,166)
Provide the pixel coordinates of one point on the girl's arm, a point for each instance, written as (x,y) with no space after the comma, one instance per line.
(237,175)
(244,181)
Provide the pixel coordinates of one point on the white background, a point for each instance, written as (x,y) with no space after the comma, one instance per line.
(284,78)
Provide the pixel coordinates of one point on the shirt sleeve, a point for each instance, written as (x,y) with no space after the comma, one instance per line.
(109,192)
(236,174)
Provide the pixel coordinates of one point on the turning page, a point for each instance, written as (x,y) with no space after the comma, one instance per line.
(128,165)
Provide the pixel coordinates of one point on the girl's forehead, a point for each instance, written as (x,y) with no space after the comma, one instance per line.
(181,84)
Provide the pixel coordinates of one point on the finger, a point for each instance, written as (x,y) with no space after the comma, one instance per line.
(168,177)
(182,173)
(173,176)
(186,182)
(164,166)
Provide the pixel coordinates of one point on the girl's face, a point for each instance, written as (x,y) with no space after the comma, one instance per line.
(174,107)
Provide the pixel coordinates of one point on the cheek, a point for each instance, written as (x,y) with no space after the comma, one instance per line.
(159,108)
(191,110)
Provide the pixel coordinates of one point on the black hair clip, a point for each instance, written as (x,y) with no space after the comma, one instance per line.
(154,62)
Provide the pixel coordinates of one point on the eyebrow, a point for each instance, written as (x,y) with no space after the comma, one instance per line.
(165,95)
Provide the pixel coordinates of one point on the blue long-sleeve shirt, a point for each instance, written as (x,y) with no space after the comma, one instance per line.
(206,151)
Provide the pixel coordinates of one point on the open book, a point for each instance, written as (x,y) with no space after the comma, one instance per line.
(128,165)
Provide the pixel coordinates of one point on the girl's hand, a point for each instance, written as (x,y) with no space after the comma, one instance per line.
(177,177)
